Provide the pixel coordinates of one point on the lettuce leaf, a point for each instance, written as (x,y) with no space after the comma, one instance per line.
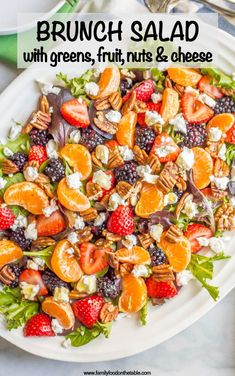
(83,335)
(76,85)
(219,78)
(21,143)
(16,178)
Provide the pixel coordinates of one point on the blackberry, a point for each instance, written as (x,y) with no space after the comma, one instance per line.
(39,137)
(158,257)
(17,236)
(91,139)
(144,138)
(97,230)
(109,286)
(127,172)
(225,104)
(125,85)
(196,135)
(52,281)
(19,159)
(55,169)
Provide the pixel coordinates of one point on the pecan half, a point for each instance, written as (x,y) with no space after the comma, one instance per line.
(221,168)
(44,104)
(145,240)
(123,188)
(104,124)
(225,217)
(132,196)
(43,242)
(179,89)
(110,236)
(115,158)
(173,234)
(217,193)
(213,148)
(125,268)
(181,184)
(89,214)
(93,190)
(112,260)
(154,163)
(140,155)
(129,104)
(95,161)
(74,294)
(9,167)
(42,179)
(40,120)
(168,82)
(108,313)
(102,104)
(115,100)
(84,235)
(6,275)
(163,273)
(168,177)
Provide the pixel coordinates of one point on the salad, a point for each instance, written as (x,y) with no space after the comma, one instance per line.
(115,193)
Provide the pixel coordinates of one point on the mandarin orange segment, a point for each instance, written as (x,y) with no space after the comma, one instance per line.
(28,195)
(62,311)
(109,82)
(126,130)
(151,200)
(179,254)
(202,168)
(184,76)
(223,121)
(72,199)
(135,255)
(79,158)
(134,294)
(64,263)
(170,104)
(9,252)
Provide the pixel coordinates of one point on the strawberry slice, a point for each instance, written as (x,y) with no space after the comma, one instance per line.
(230,138)
(121,221)
(92,259)
(49,226)
(195,231)
(33,277)
(150,107)
(165,148)
(160,290)
(75,112)
(38,154)
(87,310)
(104,191)
(38,326)
(7,218)
(205,86)
(195,111)
(143,91)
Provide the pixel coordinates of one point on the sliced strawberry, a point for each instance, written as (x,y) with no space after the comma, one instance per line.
(150,107)
(92,259)
(7,218)
(195,111)
(160,290)
(87,310)
(50,226)
(33,277)
(165,148)
(121,221)
(143,91)
(75,112)
(104,191)
(195,231)
(38,154)
(38,326)
(207,192)
(231,135)
(205,86)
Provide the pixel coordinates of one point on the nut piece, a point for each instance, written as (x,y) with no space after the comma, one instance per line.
(213,148)
(104,124)
(139,106)
(110,236)
(140,155)
(115,100)
(84,235)
(40,120)
(74,294)
(112,260)
(168,177)
(181,204)
(129,104)
(229,92)
(225,217)
(43,242)
(154,163)
(44,105)
(173,234)
(125,268)
(102,104)
(168,83)
(9,167)
(132,196)
(179,89)
(6,275)
(115,158)
(181,184)
(221,168)
(217,193)
(89,214)
(108,313)
(123,188)
(93,190)
(95,161)
(145,240)
(163,273)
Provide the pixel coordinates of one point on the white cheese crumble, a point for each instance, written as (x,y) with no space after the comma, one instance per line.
(31,232)
(75,136)
(204,242)
(220,182)
(179,123)
(114,201)
(50,209)
(51,149)
(100,219)
(126,153)
(185,159)
(91,88)
(102,179)
(183,277)
(56,327)
(32,265)
(61,294)
(164,151)
(29,291)
(14,131)
(222,152)
(7,152)
(129,241)
(20,221)
(170,199)
(214,134)
(47,88)
(79,223)
(156,97)
(3,182)
(66,344)
(30,173)
(216,245)
(156,232)
(206,99)
(140,271)
(74,180)
(153,117)
(72,237)
(113,116)
(190,207)
(87,283)
(39,262)
(102,153)
(144,171)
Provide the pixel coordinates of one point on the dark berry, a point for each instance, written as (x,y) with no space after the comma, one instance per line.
(16,270)
(90,138)
(196,136)
(18,237)
(97,230)
(39,137)
(225,104)
(125,85)
(19,159)
(55,169)
(143,226)
(52,281)
(158,257)
(109,286)
(144,138)
(127,172)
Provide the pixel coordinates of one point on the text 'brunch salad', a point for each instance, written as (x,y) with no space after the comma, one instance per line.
(108,194)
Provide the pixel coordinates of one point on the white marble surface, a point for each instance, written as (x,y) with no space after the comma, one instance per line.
(207,348)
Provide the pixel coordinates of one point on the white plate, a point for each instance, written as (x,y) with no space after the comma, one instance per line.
(127,337)
(8,17)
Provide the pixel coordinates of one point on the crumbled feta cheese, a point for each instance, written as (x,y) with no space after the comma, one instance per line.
(190,207)
(29,291)
(61,294)
(114,201)
(179,123)
(75,136)
(20,221)
(113,116)
(72,237)
(220,182)
(185,159)
(70,251)
(7,152)
(102,179)
(100,219)
(32,265)
(47,88)
(222,152)
(91,88)
(97,72)
(204,98)
(163,151)
(156,97)
(204,242)
(74,180)
(156,232)
(102,153)
(151,179)
(216,245)
(50,209)
(56,327)
(3,182)
(51,149)
(183,277)
(141,271)
(129,241)
(14,131)
(214,134)
(31,232)
(190,89)
(153,117)
(66,343)
(126,153)
(170,199)
(87,283)
(39,262)
(30,173)
(79,223)
(144,171)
